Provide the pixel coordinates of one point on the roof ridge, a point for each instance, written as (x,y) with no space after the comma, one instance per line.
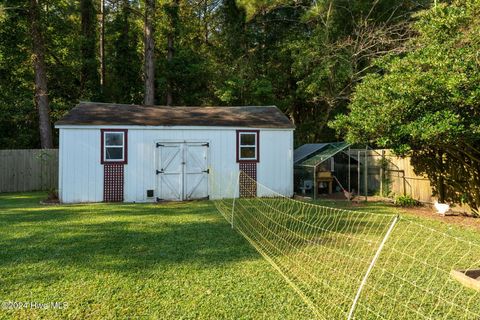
(164,106)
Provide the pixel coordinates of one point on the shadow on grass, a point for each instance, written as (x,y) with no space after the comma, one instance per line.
(113,245)
(130,237)
(12,215)
(122,238)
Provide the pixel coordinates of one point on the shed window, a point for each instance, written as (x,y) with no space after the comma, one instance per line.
(247,146)
(114,146)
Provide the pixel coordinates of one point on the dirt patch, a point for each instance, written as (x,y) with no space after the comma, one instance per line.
(49,202)
(425,211)
(454,218)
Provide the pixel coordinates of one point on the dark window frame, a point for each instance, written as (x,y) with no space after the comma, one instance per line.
(125,146)
(257,146)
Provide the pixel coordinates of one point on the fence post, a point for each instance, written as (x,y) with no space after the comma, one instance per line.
(370,267)
(235,193)
(358,172)
(366,173)
(382,162)
(349,169)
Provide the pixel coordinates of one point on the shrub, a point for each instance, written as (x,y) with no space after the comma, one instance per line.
(406,201)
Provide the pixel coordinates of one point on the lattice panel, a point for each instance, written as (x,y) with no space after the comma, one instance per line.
(113,183)
(248,187)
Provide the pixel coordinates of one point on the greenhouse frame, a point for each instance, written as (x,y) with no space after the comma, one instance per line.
(336,169)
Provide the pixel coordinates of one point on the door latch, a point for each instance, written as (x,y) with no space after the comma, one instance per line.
(206,171)
(159,171)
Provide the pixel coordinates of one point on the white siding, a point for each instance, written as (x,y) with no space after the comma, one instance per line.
(275,169)
(81,174)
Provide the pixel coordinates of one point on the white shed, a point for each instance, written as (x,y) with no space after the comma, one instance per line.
(132,153)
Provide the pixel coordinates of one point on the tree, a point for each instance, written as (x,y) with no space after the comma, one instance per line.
(123,55)
(302,56)
(345,37)
(306,56)
(426,103)
(173,17)
(149,52)
(89,76)
(41,90)
(102,46)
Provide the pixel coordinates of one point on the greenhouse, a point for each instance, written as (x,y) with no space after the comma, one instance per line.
(336,169)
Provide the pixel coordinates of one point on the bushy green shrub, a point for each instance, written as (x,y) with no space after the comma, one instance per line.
(405,201)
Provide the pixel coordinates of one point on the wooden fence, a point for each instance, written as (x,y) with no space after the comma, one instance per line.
(28,170)
(399,176)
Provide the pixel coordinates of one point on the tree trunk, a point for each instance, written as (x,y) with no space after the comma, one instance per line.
(89,77)
(169,59)
(171,48)
(441,179)
(41,90)
(149,98)
(102,46)
(205,22)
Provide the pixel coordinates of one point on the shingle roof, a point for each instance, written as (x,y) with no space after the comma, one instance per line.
(94,113)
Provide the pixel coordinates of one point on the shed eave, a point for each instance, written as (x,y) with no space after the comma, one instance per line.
(138,127)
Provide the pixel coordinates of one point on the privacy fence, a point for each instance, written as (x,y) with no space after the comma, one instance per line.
(28,170)
(389,175)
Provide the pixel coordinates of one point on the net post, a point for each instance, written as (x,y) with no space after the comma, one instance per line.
(234,194)
(382,173)
(349,169)
(370,267)
(358,172)
(366,173)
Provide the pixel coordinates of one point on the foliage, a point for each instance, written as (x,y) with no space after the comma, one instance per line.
(302,56)
(425,103)
(124,58)
(89,76)
(384,164)
(405,201)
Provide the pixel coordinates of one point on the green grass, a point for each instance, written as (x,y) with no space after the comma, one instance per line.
(465,232)
(326,252)
(177,260)
(183,260)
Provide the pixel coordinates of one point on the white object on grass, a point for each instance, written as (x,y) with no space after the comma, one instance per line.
(442,208)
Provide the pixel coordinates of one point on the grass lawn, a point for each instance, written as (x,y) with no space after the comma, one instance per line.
(326,252)
(183,260)
(411,279)
(178,260)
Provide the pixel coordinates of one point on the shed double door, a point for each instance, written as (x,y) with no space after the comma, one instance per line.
(182,171)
